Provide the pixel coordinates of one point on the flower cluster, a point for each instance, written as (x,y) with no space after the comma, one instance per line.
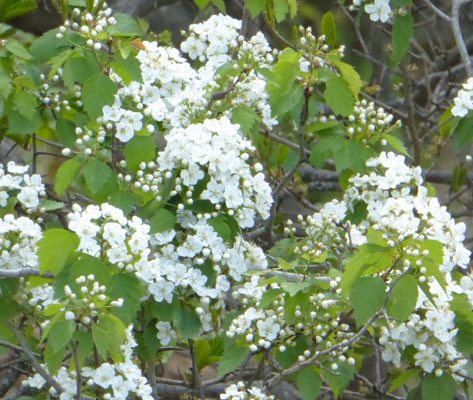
(119,381)
(464,101)
(19,239)
(407,219)
(28,189)
(238,391)
(217,150)
(367,124)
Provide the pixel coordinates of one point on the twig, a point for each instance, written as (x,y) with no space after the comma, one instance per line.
(24,272)
(31,357)
(16,348)
(78,370)
(457,33)
(357,30)
(195,371)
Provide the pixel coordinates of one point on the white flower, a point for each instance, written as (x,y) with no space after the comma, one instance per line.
(165,332)
(29,197)
(463,104)
(426,359)
(380,10)
(268,328)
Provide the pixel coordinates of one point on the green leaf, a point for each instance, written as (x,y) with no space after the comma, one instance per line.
(109,334)
(339,96)
(329,29)
(346,153)
(201,3)
(463,133)
(61,334)
(5,84)
(10,9)
(96,174)
(127,68)
(66,174)
(123,200)
(97,92)
(246,117)
(208,352)
(139,149)
(128,287)
(59,60)
(85,345)
(126,25)
(287,69)
(294,287)
(87,265)
(350,76)
(447,123)
(26,104)
(291,303)
(403,298)
(401,3)
(292,8)
(460,177)
(367,297)
(17,48)
(220,4)
(464,323)
(280,9)
(403,31)
(54,249)
(405,377)
(21,126)
(162,220)
(53,359)
(256,7)
(187,321)
(78,69)
(338,383)
(269,297)
(438,387)
(309,383)
(396,144)
(232,358)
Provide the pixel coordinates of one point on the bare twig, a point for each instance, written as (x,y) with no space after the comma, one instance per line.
(195,371)
(23,273)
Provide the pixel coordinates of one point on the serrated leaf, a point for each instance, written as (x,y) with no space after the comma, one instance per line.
(123,200)
(128,287)
(54,249)
(61,334)
(53,359)
(403,298)
(186,321)
(18,125)
(65,175)
(269,297)
(438,387)
(350,76)
(96,174)
(127,68)
(162,220)
(10,9)
(280,9)
(292,8)
(97,92)
(339,96)
(367,297)
(464,323)
(220,4)
(403,31)
(78,69)
(232,358)
(396,144)
(256,7)
(329,29)
(87,265)
(5,84)
(139,149)
(339,382)
(17,48)
(109,334)
(294,287)
(309,383)
(26,104)
(246,117)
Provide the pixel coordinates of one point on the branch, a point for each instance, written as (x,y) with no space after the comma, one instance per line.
(455,24)
(195,371)
(24,272)
(31,357)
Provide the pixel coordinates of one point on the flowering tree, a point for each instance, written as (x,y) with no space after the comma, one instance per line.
(161,231)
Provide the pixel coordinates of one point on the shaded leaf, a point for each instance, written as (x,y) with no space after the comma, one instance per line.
(367,297)
(54,249)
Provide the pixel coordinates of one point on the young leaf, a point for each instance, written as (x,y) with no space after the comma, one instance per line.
(61,334)
(26,104)
(162,220)
(405,377)
(109,334)
(54,249)
(256,7)
(17,48)
(403,298)
(139,149)
(186,321)
(329,29)
(309,383)
(280,9)
(97,92)
(128,287)
(438,387)
(339,96)
(403,31)
(66,174)
(367,297)
(463,133)
(96,174)
(339,382)
(232,358)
